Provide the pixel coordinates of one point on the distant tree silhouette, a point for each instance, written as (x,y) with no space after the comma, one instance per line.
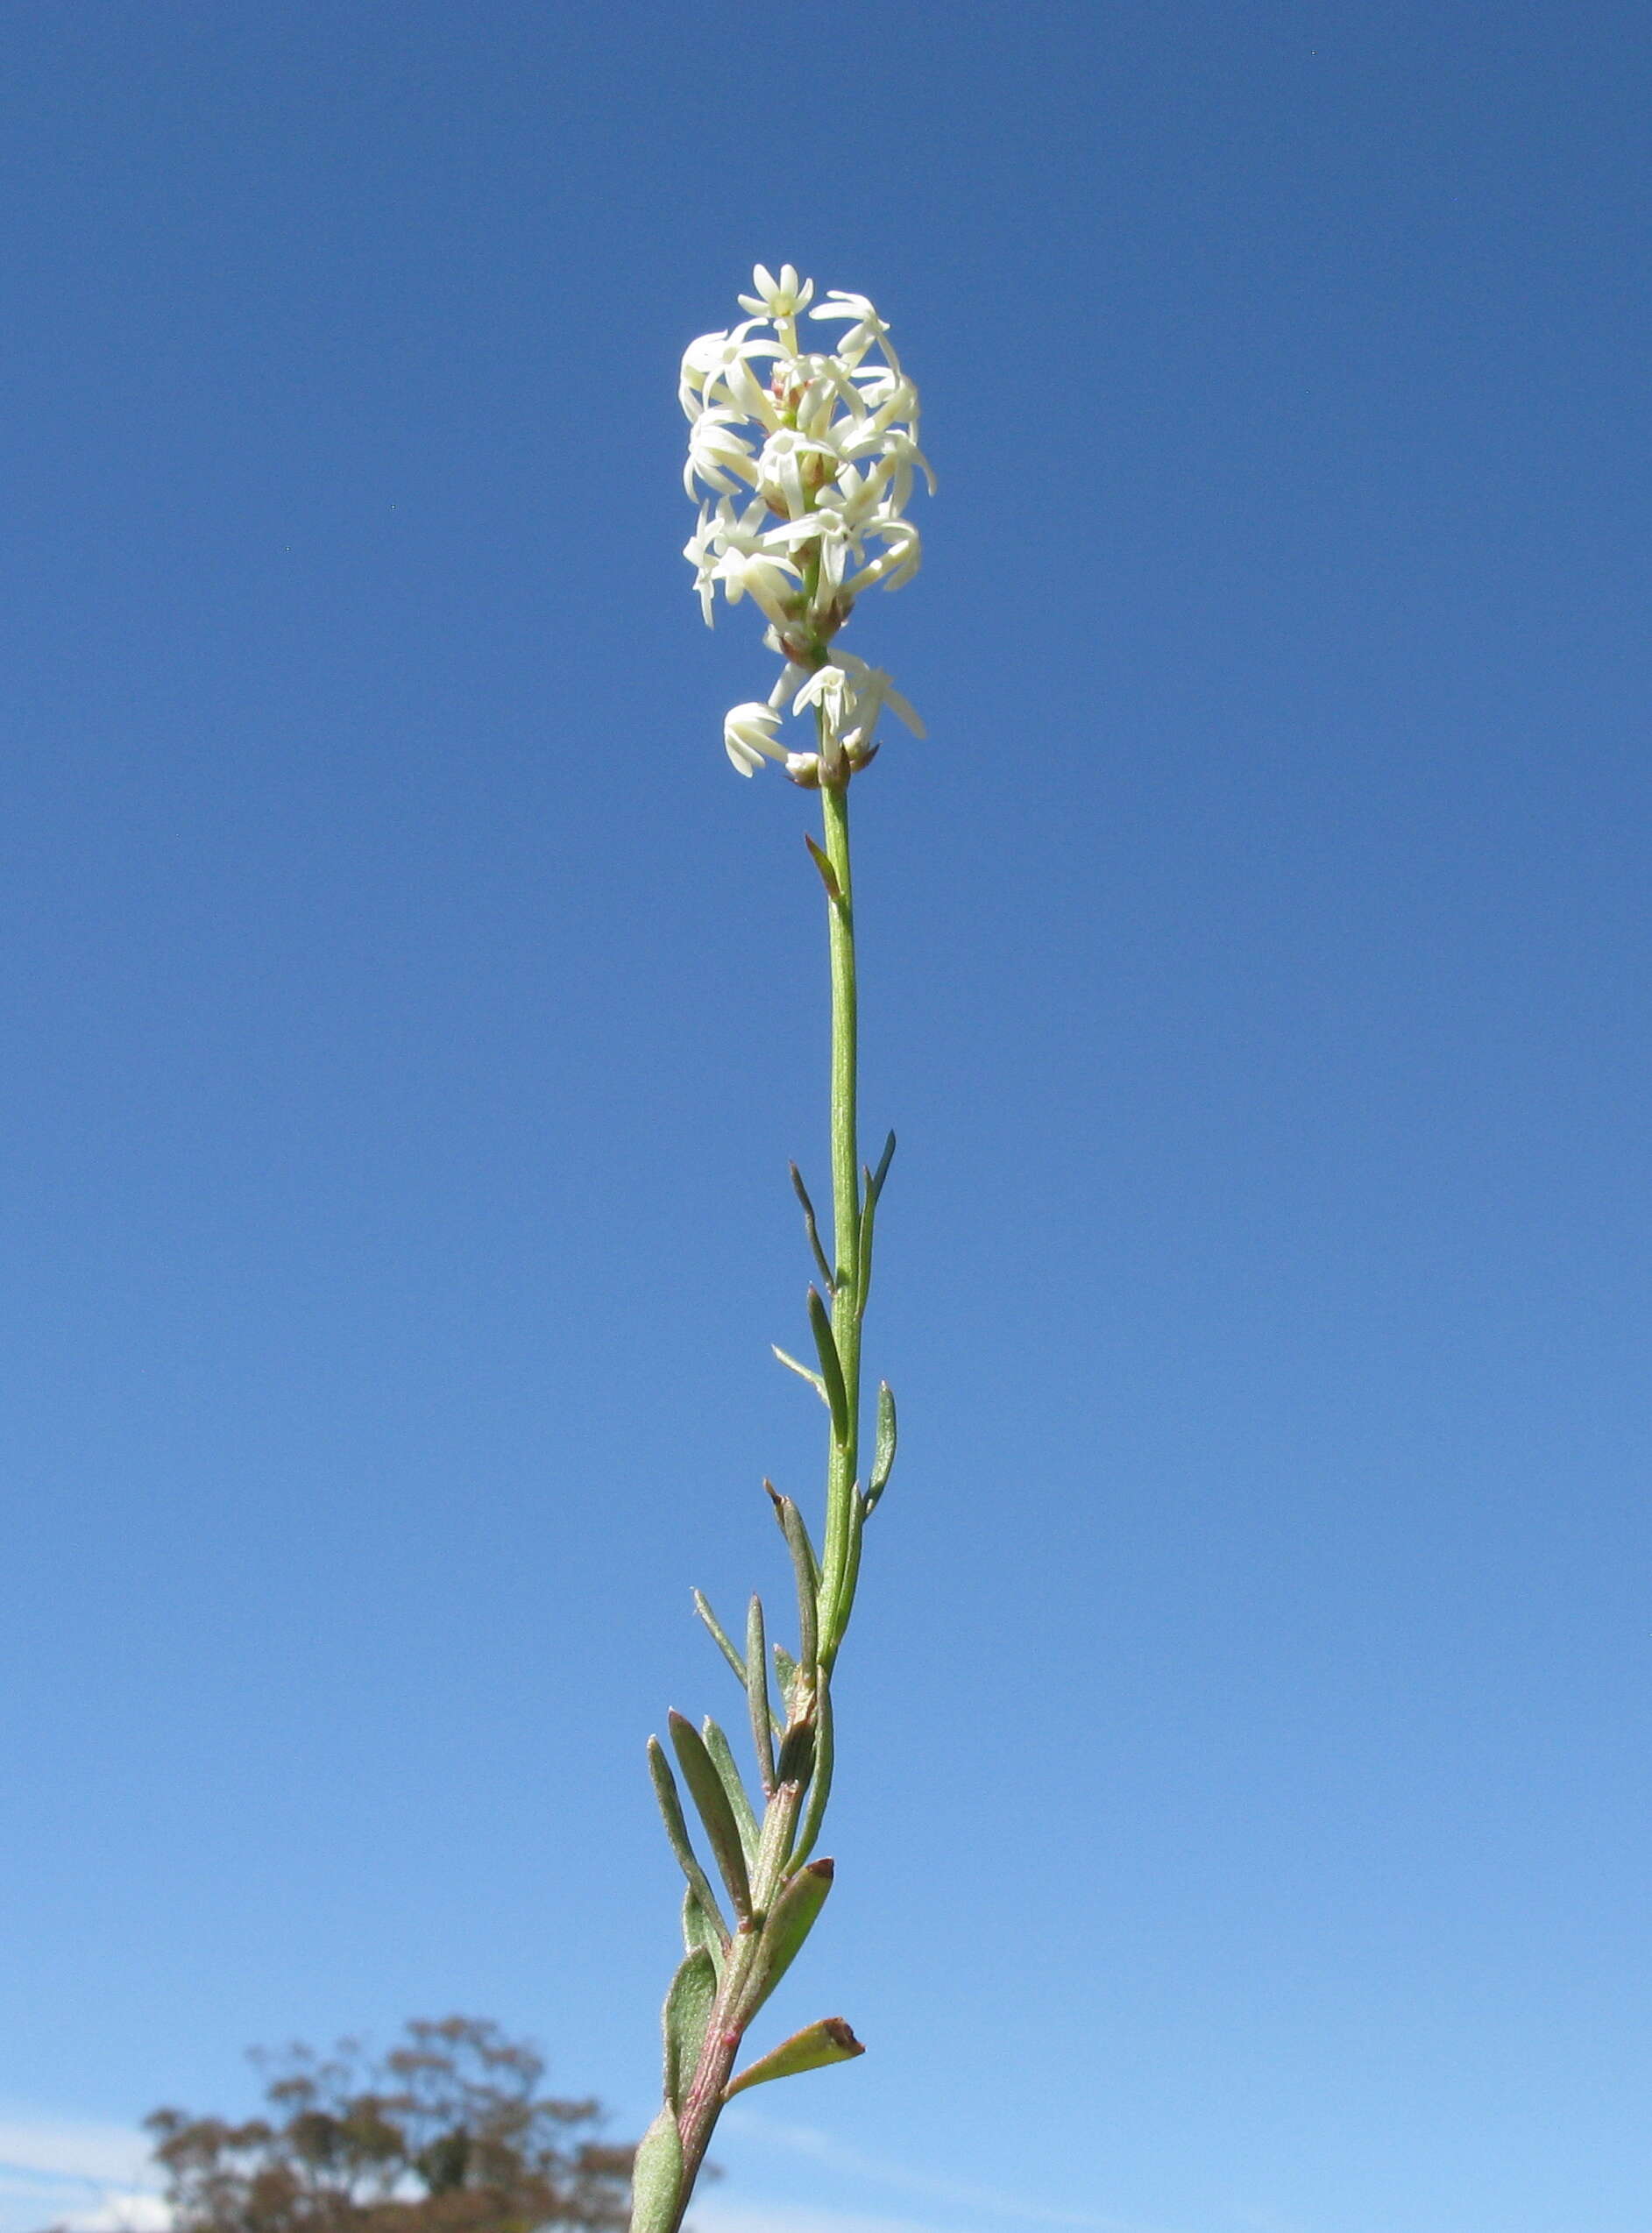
(447,2132)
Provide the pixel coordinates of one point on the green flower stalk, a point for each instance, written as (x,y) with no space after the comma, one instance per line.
(810,459)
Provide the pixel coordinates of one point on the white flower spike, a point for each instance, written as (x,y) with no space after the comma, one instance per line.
(799,461)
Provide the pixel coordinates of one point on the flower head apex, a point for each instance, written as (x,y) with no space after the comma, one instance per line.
(802,462)
(778,298)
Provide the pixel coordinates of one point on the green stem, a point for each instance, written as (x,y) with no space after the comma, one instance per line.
(790,1830)
(842,1527)
(698,2118)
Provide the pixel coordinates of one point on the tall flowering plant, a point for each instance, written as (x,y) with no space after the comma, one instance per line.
(804,461)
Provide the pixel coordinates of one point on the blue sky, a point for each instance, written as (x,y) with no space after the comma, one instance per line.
(1242,1820)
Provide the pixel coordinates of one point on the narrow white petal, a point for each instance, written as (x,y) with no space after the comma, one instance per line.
(903,711)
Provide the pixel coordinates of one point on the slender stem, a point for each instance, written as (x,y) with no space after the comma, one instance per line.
(698,2118)
(842,1515)
(787,1832)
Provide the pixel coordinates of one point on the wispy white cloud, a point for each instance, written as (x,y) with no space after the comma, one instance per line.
(92,2177)
(716,2215)
(820,2147)
(96,2178)
(134,2211)
(74,2148)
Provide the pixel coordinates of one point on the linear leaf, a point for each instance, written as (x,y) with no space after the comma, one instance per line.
(820,1789)
(757,1706)
(803,1372)
(814,2048)
(790,1921)
(807,1568)
(810,1226)
(868,1217)
(869,1223)
(698,1929)
(677,1832)
(720,1638)
(797,1753)
(657,2177)
(705,1788)
(884,1451)
(830,1369)
(828,874)
(688,2007)
(728,1768)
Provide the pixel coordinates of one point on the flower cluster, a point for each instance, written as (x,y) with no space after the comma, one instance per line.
(809,459)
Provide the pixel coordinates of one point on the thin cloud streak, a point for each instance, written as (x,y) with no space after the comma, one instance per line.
(86,2176)
(54,2147)
(802,2139)
(782,2217)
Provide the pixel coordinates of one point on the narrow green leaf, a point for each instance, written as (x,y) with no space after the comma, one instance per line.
(790,1516)
(757,1706)
(834,1626)
(657,2177)
(869,1223)
(814,2048)
(719,1639)
(810,1225)
(705,1788)
(805,1566)
(828,874)
(770,1872)
(803,1372)
(790,1921)
(729,1770)
(874,1188)
(687,2011)
(820,1789)
(797,1753)
(830,1369)
(884,1452)
(677,1832)
(699,1930)
(786,1671)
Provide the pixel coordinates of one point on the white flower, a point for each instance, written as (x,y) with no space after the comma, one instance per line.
(869,327)
(901,457)
(899,561)
(898,454)
(715,451)
(884,405)
(801,460)
(770,583)
(781,298)
(711,358)
(852,695)
(700,551)
(786,477)
(748,737)
(791,680)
